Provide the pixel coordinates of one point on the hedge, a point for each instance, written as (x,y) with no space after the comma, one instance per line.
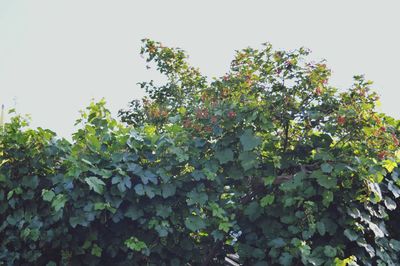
(269,162)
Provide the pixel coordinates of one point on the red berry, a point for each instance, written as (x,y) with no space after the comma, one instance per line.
(207,129)
(231,114)
(395,139)
(187,123)
(341,120)
(382,155)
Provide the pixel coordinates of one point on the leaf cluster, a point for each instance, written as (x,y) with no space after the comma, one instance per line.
(268,162)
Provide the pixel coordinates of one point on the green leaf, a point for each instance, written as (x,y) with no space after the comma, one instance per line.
(74,221)
(347,261)
(327,198)
(394,188)
(87,162)
(330,251)
(47,195)
(96,250)
(194,223)
(10,194)
(326,168)
(123,183)
(377,231)
(376,195)
(390,204)
(285,259)
(150,192)
(248,160)
(217,235)
(163,211)
(100,206)
(134,168)
(59,202)
(198,175)
(370,249)
(93,142)
(224,226)
(168,190)
(139,189)
(195,197)
(161,230)
(267,200)
(258,253)
(277,243)
(351,235)
(321,228)
(249,141)
(224,156)
(147,176)
(353,212)
(134,213)
(323,180)
(135,244)
(30,181)
(253,210)
(269,180)
(180,154)
(175,262)
(95,184)
(394,244)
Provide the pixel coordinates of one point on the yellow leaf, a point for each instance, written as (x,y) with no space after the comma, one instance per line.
(389,165)
(397,155)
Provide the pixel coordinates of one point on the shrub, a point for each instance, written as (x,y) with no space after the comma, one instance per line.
(268,161)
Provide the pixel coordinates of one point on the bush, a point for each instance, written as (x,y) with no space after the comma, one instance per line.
(269,162)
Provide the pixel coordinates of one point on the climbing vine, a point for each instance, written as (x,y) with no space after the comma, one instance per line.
(269,162)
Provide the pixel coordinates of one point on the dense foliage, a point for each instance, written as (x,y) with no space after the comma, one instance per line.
(268,161)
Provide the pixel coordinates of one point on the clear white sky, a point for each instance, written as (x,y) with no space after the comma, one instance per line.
(55,56)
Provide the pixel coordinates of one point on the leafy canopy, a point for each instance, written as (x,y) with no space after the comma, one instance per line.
(268,161)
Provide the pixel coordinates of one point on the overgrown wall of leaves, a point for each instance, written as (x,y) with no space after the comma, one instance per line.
(268,161)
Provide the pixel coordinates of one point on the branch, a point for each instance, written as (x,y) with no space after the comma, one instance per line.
(211,254)
(285,143)
(282,179)
(257,188)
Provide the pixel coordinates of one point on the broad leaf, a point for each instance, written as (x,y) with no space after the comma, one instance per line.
(224,156)
(194,223)
(249,141)
(95,184)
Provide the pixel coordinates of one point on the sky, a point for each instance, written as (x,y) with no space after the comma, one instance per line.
(56,56)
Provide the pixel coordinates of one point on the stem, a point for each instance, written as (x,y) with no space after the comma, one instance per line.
(211,254)
(285,144)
